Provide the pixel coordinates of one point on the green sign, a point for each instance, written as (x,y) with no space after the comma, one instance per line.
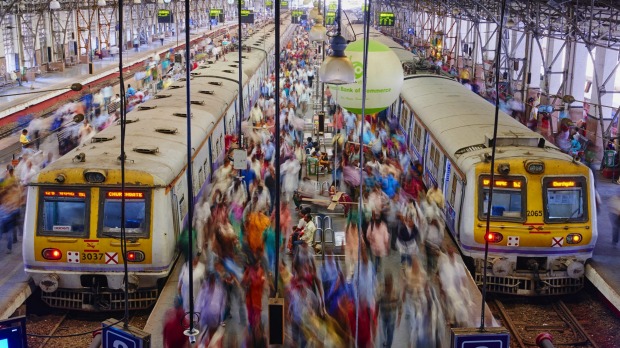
(330,18)
(247,16)
(163,13)
(364,8)
(268,3)
(332,7)
(386,19)
(283,5)
(297,13)
(242,3)
(215,12)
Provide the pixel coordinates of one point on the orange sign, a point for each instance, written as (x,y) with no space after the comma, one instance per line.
(64,194)
(128,194)
(503,183)
(563,183)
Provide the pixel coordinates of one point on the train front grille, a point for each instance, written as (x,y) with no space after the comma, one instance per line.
(526,285)
(103,301)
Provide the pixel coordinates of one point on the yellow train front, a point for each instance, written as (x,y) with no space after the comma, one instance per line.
(542,225)
(72,245)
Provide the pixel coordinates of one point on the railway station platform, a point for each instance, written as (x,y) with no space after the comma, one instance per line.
(80,73)
(15,287)
(602,270)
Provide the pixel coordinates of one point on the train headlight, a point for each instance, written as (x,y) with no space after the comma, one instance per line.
(502,267)
(49,283)
(51,254)
(494,237)
(575,269)
(573,238)
(135,256)
(94,176)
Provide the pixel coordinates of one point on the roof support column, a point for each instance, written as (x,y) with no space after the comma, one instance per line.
(553,78)
(605,66)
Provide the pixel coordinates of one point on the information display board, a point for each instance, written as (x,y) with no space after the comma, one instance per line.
(330,18)
(247,16)
(164,16)
(386,19)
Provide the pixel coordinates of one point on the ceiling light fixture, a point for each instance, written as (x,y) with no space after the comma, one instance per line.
(54,5)
(101,3)
(337,68)
(318,32)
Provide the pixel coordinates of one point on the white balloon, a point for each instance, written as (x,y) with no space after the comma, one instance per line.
(385,78)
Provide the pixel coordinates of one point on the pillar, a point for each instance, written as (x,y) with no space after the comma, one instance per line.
(604,64)
(554,70)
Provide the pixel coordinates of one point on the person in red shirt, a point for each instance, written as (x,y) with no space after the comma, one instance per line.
(175,323)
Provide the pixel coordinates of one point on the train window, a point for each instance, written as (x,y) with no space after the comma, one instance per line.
(64,213)
(417,135)
(453,190)
(565,199)
(508,198)
(136,212)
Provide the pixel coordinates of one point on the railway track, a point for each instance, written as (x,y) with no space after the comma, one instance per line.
(73,329)
(526,318)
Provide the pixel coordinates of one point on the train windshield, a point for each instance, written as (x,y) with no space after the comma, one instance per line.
(508,198)
(565,199)
(135,212)
(64,213)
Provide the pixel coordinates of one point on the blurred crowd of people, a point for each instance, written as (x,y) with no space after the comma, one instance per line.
(363,299)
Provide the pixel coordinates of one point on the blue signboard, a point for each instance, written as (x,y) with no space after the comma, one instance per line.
(114,336)
(473,338)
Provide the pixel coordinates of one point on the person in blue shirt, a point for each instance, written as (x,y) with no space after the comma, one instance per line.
(248,178)
(309,145)
(269,149)
(350,121)
(130,91)
(389,185)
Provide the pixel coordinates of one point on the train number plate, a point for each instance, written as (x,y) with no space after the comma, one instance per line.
(92,258)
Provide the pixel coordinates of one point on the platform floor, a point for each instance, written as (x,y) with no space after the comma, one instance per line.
(602,271)
(79,73)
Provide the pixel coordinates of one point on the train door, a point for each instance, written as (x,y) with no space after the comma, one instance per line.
(175,214)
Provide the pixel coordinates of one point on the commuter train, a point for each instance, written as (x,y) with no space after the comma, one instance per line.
(72,247)
(543,215)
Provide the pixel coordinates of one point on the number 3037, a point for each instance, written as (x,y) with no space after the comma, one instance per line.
(534,213)
(92,256)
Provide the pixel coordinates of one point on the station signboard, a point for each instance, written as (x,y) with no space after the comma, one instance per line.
(247,16)
(386,19)
(217,13)
(164,16)
(330,18)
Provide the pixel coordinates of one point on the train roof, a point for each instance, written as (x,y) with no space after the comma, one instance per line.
(461,120)
(214,88)
(403,54)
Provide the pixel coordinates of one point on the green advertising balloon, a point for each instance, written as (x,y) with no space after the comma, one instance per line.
(385,78)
